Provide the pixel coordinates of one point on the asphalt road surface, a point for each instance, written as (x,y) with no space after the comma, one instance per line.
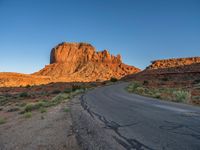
(145,123)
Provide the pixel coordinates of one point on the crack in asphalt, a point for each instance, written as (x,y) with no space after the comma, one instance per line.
(127,143)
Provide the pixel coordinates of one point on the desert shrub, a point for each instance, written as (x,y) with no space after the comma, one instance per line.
(75,87)
(2,120)
(181,96)
(21,104)
(28,115)
(29,107)
(156,95)
(56,92)
(43,110)
(3,100)
(113,79)
(133,86)
(24,94)
(58,99)
(35,106)
(165,79)
(140,90)
(146,82)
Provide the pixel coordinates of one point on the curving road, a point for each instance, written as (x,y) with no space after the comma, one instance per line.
(145,123)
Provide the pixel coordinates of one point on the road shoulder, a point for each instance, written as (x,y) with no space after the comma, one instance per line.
(51,130)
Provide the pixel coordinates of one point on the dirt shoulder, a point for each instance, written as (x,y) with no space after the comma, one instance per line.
(51,130)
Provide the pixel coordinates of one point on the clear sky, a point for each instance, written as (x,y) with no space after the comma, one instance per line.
(140,30)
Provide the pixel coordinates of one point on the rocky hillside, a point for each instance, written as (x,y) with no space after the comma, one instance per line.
(174,62)
(81,62)
(180,72)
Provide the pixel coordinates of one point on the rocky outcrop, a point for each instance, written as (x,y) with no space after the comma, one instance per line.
(81,62)
(80,53)
(174,62)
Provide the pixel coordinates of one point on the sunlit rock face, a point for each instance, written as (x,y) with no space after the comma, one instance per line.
(174,62)
(81,62)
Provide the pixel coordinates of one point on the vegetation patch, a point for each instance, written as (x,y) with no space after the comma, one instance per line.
(43,110)
(24,95)
(2,120)
(66,110)
(28,115)
(3,100)
(172,94)
(43,104)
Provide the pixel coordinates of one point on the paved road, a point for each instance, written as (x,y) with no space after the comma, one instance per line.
(145,123)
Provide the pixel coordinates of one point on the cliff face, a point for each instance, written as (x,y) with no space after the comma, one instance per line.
(172,63)
(81,62)
(77,53)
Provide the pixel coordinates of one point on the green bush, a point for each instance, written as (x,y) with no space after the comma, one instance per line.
(2,120)
(3,100)
(181,96)
(140,90)
(24,94)
(43,110)
(113,79)
(58,99)
(29,107)
(133,86)
(28,115)
(157,95)
(35,106)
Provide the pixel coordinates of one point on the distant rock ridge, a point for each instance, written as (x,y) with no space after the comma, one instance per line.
(174,62)
(81,62)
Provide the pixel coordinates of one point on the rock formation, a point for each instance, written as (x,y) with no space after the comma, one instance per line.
(81,62)
(174,62)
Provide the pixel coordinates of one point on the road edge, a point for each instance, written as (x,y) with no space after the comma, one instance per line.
(91,133)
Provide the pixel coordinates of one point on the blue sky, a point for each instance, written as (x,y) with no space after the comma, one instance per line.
(140,30)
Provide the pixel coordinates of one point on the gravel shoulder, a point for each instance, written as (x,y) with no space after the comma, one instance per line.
(51,130)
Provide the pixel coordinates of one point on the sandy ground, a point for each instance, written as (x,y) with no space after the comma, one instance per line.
(48,131)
